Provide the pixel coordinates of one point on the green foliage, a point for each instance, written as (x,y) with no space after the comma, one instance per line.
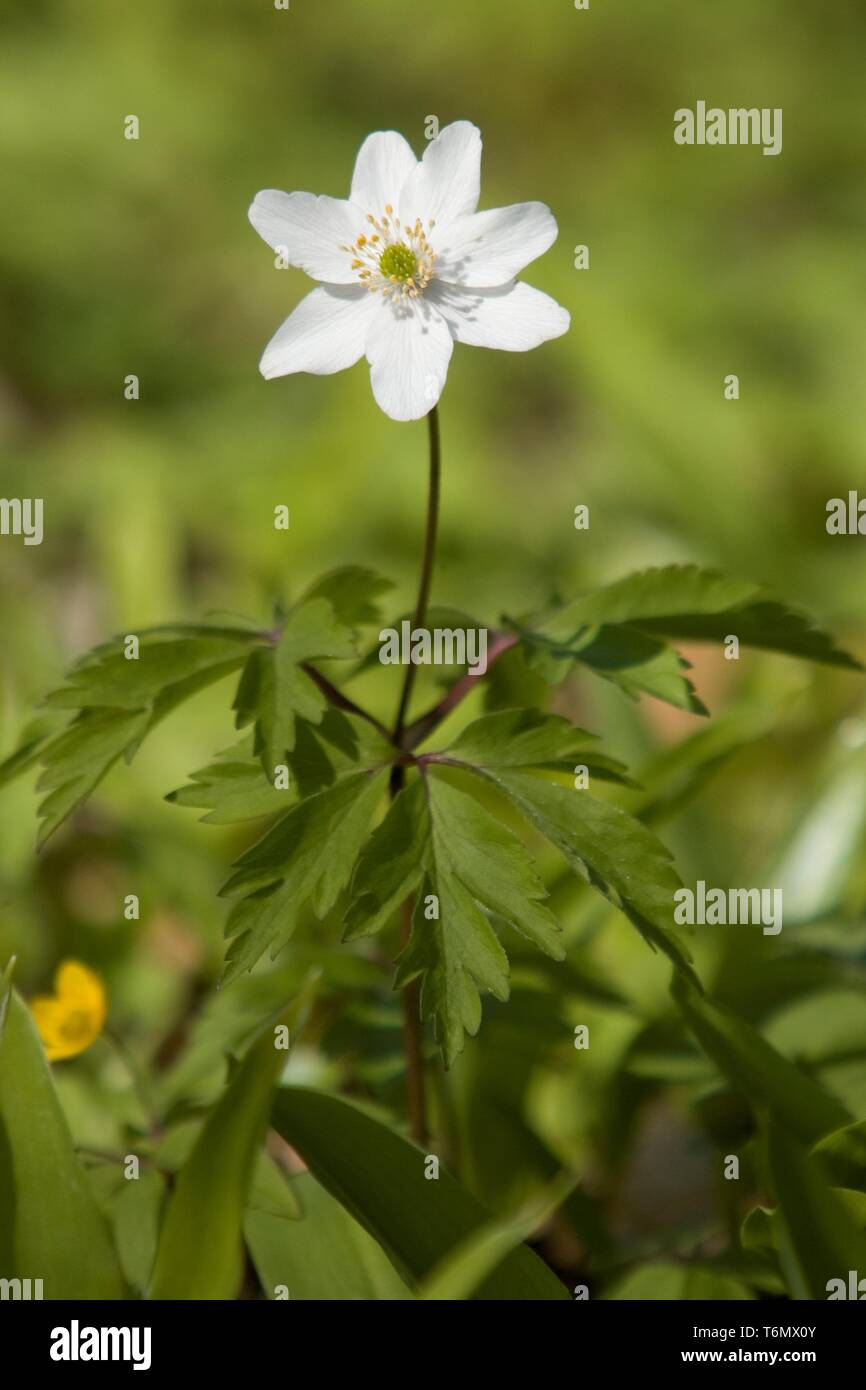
(817,1239)
(306,857)
(471,863)
(459,851)
(275,687)
(164,506)
(621,631)
(758,1071)
(325,1254)
(200,1252)
(379,1178)
(50,1225)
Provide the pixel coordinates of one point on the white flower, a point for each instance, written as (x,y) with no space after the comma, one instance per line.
(407,266)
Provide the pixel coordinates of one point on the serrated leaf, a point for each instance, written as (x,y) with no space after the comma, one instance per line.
(378,1177)
(391,864)
(275,689)
(511,683)
(105,677)
(352,592)
(77,760)
(28,752)
(231,792)
(637,662)
(621,630)
(702,605)
(340,744)
(472,862)
(754,1068)
(524,738)
(307,856)
(614,853)
(121,701)
(234,787)
(50,1225)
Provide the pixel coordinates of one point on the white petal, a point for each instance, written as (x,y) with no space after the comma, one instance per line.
(408,351)
(309,231)
(513,318)
(325,333)
(447,182)
(490,248)
(384,163)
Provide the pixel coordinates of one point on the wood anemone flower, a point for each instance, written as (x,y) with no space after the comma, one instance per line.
(408,268)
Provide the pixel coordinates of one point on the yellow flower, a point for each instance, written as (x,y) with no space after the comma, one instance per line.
(73,1017)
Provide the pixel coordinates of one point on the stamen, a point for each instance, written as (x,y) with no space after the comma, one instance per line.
(396,258)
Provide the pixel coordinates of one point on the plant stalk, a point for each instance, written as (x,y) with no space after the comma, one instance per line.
(412,1035)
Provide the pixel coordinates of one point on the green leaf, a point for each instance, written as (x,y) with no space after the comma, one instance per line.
(352,593)
(307,856)
(460,1273)
(637,662)
(340,744)
(613,852)
(27,754)
(472,862)
(755,1069)
(511,683)
(678,1283)
(77,760)
(391,864)
(133,1209)
(120,701)
(231,789)
(526,738)
(818,1240)
(200,1252)
(702,605)
(326,1255)
(621,630)
(106,677)
(274,686)
(843,1154)
(234,787)
(50,1225)
(378,1177)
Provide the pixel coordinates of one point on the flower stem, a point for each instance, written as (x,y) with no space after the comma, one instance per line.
(426,564)
(412,1036)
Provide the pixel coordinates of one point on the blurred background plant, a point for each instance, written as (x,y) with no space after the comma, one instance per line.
(124,257)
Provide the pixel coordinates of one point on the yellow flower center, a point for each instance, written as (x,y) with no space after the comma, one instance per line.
(397,262)
(77,1026)
(394,258)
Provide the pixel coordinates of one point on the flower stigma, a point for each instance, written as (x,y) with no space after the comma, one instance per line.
(394,258)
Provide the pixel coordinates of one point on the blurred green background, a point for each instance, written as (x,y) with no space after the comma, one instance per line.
(126,257)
